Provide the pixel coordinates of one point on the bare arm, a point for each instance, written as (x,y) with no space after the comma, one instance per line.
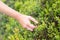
(24,20)
(8,11)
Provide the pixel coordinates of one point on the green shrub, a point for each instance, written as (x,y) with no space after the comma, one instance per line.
(47,12)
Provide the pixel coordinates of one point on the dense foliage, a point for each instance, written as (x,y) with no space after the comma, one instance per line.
(47,12)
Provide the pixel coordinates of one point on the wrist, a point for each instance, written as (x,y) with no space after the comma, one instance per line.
(18,16)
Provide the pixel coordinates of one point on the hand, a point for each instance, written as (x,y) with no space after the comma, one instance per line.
(24,20)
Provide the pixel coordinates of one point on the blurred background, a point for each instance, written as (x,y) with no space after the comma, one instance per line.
(47,12)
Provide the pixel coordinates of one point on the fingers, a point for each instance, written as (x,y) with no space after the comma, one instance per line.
(30,27)
(32,19)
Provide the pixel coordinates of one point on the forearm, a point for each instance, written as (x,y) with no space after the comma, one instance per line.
(8,11)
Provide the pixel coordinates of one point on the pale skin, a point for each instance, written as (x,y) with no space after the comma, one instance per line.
(24,20)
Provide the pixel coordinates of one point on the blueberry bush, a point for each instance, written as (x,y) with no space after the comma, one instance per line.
(47,12)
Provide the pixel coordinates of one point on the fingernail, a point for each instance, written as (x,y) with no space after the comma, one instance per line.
(36,22)
(31,30)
